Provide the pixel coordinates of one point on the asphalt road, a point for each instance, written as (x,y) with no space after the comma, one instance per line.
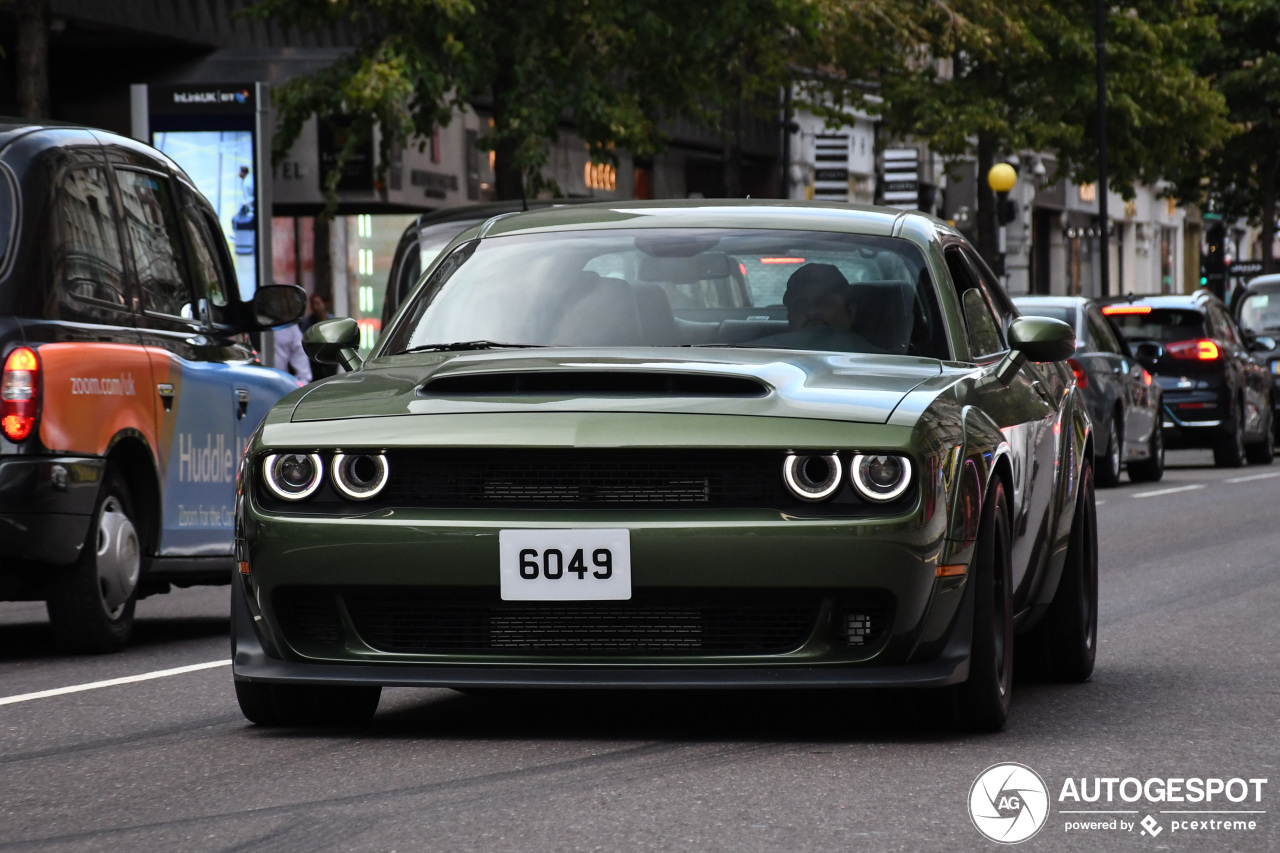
(1186,687)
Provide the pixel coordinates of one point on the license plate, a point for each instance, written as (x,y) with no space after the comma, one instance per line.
(565,565)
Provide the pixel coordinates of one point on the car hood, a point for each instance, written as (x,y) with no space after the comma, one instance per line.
(757,382)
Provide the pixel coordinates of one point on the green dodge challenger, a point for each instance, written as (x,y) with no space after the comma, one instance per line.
(676,445)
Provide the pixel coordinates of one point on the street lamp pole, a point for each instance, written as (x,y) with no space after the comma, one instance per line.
(1100,44)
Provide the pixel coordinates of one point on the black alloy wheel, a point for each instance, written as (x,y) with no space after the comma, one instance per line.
(982,702)
(1151,469)
(306,704)
(91,603)
(1263,451)
(1064,646)
(1228,452)
(1110,464)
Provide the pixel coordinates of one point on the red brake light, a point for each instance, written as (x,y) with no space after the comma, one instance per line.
(1198,350)
(782,260)
(1082,378)
(1126,309)
(20,394)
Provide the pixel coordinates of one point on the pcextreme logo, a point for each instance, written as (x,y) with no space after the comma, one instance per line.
(1009,803)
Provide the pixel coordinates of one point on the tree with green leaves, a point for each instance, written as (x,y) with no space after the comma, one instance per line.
(997,77)
(1243,64)
(611,68)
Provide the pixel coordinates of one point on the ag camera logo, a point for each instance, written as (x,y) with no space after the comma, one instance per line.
(1008,803)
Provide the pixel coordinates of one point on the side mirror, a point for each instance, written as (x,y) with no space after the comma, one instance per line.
(334,342)
(1148,351)
(276,305)
(1042,339)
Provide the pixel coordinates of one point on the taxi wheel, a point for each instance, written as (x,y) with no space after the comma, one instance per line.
(1109,464)
(91,603)
(306,704)
(982,702)
(1068,634)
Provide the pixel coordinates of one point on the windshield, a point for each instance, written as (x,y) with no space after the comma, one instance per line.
(686,287)
(1260,313)
(1163,325)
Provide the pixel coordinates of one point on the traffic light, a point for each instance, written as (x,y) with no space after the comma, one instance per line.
(1215,258)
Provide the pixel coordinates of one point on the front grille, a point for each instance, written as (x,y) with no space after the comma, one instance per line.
(687,623)
(587,479)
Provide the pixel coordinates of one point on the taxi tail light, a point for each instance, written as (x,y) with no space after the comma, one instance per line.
(1202,349)
(1082,378)
(20,394)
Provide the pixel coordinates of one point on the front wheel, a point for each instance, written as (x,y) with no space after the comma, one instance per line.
(1264,450)
(1066,640)
(1109,464)
(306,704)
(91,604)
(1228,452)
(982,702)
(1151,469)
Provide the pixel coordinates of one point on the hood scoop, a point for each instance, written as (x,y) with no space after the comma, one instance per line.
(592,383)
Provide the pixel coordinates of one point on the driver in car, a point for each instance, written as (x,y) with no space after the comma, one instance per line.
(820,312)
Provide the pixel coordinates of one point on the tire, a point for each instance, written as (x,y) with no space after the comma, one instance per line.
(91,604)
(982,702)
(1151,469)
(1109,464)
(1262,452)
(1228,452)
(306,705)
(1066,640)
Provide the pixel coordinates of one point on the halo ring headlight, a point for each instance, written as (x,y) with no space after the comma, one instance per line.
(293,476)
(880,477)
(360,476)
(812,477)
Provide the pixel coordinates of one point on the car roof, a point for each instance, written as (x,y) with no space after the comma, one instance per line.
(1054,301)
(1191,301)
(1268,283)
(713,213)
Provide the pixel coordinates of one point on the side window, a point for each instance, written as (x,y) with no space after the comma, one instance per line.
(156,244)
(996,297)
(212,280)
(984,331)
(88,268)
(1221,325)
(1103,338)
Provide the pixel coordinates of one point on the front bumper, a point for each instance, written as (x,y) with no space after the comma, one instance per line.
(252,662)
(45,506)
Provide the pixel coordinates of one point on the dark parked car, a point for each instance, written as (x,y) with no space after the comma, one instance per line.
(1124,400)
(129,386)
(1216,393)
(1257,310)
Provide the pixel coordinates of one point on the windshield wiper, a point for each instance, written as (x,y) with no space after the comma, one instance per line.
(459,346)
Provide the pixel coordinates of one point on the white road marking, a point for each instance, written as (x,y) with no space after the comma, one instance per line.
(1253,477)
(1167,491)
(128,679)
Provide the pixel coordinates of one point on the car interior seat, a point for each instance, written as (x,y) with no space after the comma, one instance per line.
(598,311)
(657,321)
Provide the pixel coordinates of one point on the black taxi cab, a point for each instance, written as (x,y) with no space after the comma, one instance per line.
(129,382)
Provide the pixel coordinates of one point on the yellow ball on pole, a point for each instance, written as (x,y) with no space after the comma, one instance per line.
(1002,177)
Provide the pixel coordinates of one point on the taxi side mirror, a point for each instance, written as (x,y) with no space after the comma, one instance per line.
(277,305)
(1042,338)
(334,342)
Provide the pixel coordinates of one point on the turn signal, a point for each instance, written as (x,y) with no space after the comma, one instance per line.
(1082,378)
(20,394)
(1200,350)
